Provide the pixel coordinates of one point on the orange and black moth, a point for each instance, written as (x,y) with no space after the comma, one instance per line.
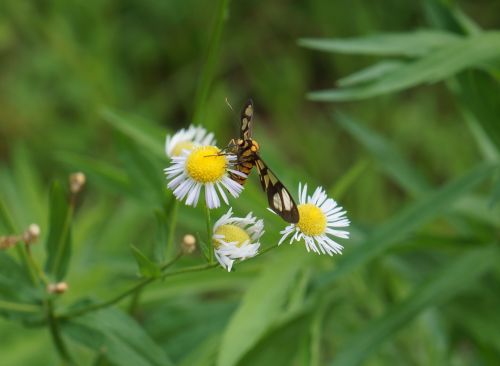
(246,150)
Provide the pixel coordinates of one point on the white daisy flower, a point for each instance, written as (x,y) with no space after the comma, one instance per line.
(187,139)
(203,167)
(320,217)
(236,238)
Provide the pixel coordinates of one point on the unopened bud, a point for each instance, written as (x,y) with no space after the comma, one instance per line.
(76,182)
(31,234)
(188,244)
(57,288)
(8,241)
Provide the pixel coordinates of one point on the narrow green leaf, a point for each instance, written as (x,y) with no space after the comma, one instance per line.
(6,221)
(473,51)
(387,157)
(150,137)
(445,284)
(269,350)
(118,337)
(370,73)
(412,44)
(259,308)
(14,281)
(147,267)
(479,93)
(406,221)
(110,176)
(58,243)
(203,355)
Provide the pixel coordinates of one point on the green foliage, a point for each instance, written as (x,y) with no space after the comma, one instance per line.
(58,243)
(117,338)
(413,158)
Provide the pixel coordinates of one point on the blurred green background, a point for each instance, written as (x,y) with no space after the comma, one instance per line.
(94,86)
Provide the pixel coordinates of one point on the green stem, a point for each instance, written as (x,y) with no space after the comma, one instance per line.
(131,291)
(208,71)
(209,235)
(56,334)
(22,308)
(145,282)
(169,250)
(134,303)
(266,250)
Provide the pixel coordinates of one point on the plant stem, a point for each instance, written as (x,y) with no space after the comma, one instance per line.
(209,235)
(131,291)
(169,250)
(208,71)
(267,250)
(56,334)
(134,303)
(22,308)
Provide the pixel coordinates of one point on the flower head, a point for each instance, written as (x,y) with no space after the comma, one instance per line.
(320,218)
(236,238)
(187,139)
(203,167)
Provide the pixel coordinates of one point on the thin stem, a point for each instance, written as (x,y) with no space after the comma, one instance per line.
(134,303)
(267,250)
(169,249)
(22,308)
(209,235)
(56,334)
(208,70)
(199,268)
(131,291)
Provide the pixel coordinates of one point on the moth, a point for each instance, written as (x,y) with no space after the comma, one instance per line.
(246,150)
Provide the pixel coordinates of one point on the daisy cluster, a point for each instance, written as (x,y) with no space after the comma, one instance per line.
(198,165)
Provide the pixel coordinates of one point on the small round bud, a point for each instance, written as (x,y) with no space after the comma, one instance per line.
(31,234)
(76,182)
(57,288)
(188,244)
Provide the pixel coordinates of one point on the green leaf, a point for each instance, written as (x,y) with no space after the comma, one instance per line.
(58,242)
(15,283)
(479,95)
(387,157)
(144,133)
(259,308)
(18,298)
(118,337)
(108,175)
(445,284)
(370,73)
(269,350)
(473,51)
(6,221)
(412,44)
(147,267)
(406,221)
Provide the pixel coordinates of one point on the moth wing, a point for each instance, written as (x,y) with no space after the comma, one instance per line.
(279,198)
(246,120)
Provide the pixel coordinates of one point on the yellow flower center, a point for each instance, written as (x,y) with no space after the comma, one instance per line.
(232,233)
(204,165)
(182,145)
(312,221)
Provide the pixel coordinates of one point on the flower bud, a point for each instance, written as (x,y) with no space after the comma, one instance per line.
(76,182)
(31,234)
(57,288)
(188,244)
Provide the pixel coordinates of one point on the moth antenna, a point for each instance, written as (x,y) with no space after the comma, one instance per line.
(229,104)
